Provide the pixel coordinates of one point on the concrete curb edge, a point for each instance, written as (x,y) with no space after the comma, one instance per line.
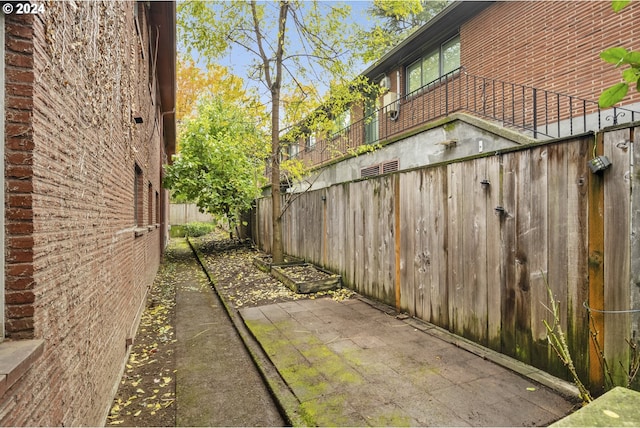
(284,398)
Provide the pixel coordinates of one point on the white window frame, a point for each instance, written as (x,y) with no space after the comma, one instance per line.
(311,140)
(294,150)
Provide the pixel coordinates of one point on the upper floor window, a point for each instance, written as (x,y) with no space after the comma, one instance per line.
(294,150)
(343,120)
(311,140)
(138,192)
(436,63)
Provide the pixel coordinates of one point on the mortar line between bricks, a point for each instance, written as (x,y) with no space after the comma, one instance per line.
(284,398)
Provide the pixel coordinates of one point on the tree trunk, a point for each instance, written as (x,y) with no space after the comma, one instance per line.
(277,249)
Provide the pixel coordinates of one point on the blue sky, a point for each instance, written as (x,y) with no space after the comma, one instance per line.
(238,60)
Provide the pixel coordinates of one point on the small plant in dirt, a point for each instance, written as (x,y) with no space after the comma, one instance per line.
(558,342)
(306,272)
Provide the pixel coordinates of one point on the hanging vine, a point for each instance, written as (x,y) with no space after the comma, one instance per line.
(94,59)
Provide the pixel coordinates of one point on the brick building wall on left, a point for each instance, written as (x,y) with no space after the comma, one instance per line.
(78,264)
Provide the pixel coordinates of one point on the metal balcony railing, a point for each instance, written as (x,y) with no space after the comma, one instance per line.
(539,113)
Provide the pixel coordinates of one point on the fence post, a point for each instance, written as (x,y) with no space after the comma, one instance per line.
(596,273)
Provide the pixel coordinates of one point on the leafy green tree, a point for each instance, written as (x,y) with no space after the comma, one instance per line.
(394,20)
(291,45)
(220,164)
(621,57)
(193,83)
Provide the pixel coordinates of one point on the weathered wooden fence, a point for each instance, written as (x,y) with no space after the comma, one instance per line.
(472,245)
(187,213)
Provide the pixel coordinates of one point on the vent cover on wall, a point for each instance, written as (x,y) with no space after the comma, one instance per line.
(381,168)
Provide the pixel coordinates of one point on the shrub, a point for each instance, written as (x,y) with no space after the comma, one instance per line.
(193,229)
(196,229)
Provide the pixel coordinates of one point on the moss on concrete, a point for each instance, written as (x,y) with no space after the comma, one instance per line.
(617,408)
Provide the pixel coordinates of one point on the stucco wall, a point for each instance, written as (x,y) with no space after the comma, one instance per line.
(458,136)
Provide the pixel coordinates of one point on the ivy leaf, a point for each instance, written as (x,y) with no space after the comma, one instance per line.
(613,95)
(632,58)
(631,75)
(614,55)
(618,5)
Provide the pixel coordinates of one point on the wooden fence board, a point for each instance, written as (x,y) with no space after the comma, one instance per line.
(386,228)
(616,263)
(474,253)
(423,261)
(473,257)
(596,221)
(186,213)
(356,194)
(455,246)
(437,238)
(422,256)
(508,247)
(369,208)
(340,213)
(523,250)
(411,217)
(634,273)
(539,255)
(577,229)
(349,255)
(558,236)
(494,255)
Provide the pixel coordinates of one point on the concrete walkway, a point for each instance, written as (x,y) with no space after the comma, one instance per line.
(351,364)
(217,383)
(348,363)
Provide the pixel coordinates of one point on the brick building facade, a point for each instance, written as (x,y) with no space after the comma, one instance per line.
(88,100)
(552,46)
(500,60)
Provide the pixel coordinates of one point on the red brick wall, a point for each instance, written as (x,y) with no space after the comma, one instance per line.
(547,45)
(550,45)
(78,268)
(19,78)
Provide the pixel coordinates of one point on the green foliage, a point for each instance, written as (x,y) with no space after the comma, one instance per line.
(193,229)
(220,163)
(620,56)
(558,342)
(618,5)
(394,21)
(196,229)
(364,148)
(292,45)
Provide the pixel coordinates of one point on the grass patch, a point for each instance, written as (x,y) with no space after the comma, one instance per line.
(193,229)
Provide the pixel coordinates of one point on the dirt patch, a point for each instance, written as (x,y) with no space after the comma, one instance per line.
(303,273)
(243,284)
(146,395)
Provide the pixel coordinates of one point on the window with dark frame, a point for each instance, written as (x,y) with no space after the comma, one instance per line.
(150,206)
(311,140)
(157,207)
(440,61)
(138,203)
